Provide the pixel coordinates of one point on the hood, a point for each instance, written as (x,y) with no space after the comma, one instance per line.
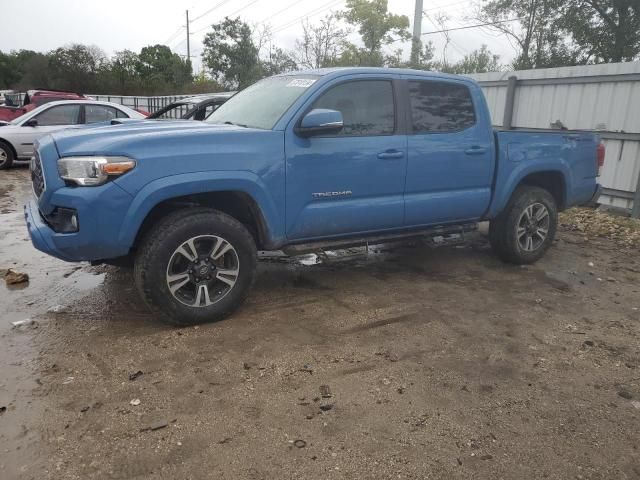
(130,136)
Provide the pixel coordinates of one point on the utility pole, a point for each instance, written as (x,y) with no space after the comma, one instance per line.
(416,45)
(188,40)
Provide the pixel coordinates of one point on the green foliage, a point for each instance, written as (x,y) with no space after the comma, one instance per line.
(321,45)
(157,64)
(86,69)
(602,30)
(231,54)
(538,41)
(478,61)
(377,27)
(75,67)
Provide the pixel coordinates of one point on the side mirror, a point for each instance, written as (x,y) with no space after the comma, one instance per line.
(32,122)
(320,121)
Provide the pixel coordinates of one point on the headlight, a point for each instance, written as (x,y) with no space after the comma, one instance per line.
(91,171)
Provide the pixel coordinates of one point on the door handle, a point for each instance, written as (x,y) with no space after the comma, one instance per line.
(475,150)
(390,155)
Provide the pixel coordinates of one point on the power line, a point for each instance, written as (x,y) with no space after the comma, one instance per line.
(173,36)
(279,12)
(446,5)
(472,26)
(229,15)
(217,5)
(308,14)
(243,8)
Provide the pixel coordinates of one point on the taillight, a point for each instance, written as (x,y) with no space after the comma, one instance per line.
(601,152)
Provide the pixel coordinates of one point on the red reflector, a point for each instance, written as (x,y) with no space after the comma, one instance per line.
(601,155)
(601,152)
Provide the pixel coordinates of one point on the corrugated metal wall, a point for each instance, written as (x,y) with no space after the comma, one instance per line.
(601,98)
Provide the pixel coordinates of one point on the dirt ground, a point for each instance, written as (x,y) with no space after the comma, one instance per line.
(415,362)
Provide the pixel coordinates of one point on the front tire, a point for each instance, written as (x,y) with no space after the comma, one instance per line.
(195,266)
(525,230)
(6,156)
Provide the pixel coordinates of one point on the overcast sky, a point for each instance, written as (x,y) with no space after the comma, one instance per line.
(114,25)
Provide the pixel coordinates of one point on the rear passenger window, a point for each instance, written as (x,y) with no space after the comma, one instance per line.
(367,107)
(440,107)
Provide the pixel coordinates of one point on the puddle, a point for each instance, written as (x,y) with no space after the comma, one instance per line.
(51,282)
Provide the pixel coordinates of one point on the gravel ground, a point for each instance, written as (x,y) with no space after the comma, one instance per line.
(411,362)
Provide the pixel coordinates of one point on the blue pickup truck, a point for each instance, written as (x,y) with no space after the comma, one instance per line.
(299,161)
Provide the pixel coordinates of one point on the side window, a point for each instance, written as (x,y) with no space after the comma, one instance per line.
(367,107)
(121,114)
(99,113)
(59,115)
(440,107)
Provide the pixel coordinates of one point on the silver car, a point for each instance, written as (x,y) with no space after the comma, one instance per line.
(18,136)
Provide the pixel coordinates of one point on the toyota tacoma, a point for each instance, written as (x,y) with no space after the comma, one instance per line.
(297,162)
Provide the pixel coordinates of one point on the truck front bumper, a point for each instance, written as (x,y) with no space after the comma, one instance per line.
(100,213)
(42,236)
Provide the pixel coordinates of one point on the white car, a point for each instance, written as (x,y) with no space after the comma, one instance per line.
(18,136)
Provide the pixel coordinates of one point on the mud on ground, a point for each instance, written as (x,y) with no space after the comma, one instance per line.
(415,362)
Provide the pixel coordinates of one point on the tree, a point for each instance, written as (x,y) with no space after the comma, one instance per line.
(123,69)
(603,30)
(478,61)
(376,26)
(531,24)
(8,71)
(321,45)
(279,61)
(159,66)
(75,67)
(231,55)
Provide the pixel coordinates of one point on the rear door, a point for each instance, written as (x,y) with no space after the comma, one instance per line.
(94,113)
(450,153)
(352,182)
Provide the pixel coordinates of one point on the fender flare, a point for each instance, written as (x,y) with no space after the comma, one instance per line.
(520,172)
(175,186)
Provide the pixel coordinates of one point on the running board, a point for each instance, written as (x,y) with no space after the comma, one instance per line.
(439,235)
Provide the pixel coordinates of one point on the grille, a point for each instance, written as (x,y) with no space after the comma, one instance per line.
(37,178)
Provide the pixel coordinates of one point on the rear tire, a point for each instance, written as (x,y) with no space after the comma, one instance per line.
(6,156)
(195,266)
(525,230)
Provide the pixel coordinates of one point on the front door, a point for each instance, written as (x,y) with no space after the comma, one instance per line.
(55,118)
(351,182)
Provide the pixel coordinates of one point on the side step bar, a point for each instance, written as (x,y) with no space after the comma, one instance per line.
(426,234)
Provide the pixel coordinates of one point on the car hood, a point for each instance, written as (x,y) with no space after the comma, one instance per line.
(126,138)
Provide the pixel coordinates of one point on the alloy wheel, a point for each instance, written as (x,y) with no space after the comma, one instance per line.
(533,227)
(202,271)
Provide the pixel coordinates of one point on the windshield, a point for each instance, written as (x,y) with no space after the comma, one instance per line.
(262,104)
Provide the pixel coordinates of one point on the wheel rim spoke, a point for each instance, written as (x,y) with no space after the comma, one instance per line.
(529,212)
(188,250)
(227,276)
(542,213)
(220,248)
(521,231)
(177,281)
(203,294)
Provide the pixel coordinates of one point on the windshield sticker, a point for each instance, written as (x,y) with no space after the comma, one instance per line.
(301,82)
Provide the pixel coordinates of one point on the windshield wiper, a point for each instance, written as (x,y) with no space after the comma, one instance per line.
(236,124)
